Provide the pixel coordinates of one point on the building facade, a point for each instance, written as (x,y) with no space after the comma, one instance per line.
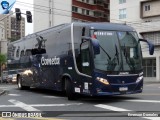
(10,30)
(14,29)
(54,12)
(144,16)
(3,41)
(2,31)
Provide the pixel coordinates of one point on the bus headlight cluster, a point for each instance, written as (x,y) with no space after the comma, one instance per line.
(139,79)
(102,80)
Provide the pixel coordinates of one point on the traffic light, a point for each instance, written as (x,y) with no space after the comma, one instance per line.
(18,14)
(29,16)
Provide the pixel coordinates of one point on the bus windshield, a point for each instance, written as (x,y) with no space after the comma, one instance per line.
(119,51)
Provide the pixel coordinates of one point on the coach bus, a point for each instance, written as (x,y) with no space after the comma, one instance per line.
(92,59)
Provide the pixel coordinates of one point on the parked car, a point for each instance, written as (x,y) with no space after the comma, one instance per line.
(4,77)
(12,76)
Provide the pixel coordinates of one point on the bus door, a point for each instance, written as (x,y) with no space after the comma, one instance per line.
(84,66)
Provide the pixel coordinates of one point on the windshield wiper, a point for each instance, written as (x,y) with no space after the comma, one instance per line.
(129,62)
(105,52)
(117,53)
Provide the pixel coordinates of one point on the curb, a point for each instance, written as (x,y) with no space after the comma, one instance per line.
(2,92)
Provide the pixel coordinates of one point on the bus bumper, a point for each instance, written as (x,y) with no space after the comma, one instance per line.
(116,89)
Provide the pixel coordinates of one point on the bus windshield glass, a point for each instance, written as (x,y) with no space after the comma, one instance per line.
(119,51)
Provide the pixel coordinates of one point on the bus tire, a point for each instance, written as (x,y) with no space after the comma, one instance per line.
(69,90)
(20,86)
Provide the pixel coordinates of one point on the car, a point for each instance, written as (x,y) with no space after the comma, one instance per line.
(4,77)
(12,76)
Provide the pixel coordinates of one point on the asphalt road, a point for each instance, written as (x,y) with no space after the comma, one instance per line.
(53,105)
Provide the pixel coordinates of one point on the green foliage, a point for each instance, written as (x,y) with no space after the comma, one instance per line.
(3,58)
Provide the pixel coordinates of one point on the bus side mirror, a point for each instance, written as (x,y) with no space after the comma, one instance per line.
(151,46)
(96,46)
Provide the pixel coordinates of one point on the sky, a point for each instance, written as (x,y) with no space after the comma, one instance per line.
(25,5)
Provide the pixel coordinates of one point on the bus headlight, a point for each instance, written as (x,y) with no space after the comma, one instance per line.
(102,80)
(139,79)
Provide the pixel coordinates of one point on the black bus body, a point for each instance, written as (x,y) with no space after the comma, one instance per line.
(93,59)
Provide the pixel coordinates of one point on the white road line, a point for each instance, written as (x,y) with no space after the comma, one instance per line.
(23,105)
(14,94)
(111,107)
(148,101)
(7,106)
(108,107)
(51,97)
(43,105)
(51,105)
(30,107)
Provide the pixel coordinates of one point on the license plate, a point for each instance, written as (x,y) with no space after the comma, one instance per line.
(123,88)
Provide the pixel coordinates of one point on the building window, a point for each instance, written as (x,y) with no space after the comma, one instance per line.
(147,7)
(149,67)
(122,13)
(87,12)
(74,9)
(122,1)
(83,11)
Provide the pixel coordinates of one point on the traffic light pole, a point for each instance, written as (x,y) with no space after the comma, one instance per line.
(12,14)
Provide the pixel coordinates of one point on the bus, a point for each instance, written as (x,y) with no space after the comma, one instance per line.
(93,59)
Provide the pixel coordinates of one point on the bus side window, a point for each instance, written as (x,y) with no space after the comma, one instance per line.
(22,53)
(28,52)
(85,58)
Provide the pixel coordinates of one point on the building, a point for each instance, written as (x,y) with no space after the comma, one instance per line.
(144,16)
(54,12)
(3,41)
(2,31)
(90,10)
(14,29)
(10,29)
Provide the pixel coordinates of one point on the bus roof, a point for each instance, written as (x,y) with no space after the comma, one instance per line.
(96,25)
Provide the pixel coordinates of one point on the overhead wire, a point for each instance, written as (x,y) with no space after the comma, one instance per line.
(38,9)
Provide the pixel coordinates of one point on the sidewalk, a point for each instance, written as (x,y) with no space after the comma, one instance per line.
(150,80)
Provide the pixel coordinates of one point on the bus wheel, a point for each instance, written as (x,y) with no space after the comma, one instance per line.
(20,86)
(69,90)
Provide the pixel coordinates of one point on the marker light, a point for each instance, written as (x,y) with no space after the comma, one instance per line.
(102,80)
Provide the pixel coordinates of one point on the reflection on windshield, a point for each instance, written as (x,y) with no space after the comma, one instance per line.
(119,51)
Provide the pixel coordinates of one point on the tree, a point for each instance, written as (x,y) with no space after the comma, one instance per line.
(3,60)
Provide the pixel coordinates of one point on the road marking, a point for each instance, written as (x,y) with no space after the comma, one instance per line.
(14,94)
(51,97)
(108,107)
(111,107)
(47,118)
(30,107)
(54,105)
(150,101)
(23,105)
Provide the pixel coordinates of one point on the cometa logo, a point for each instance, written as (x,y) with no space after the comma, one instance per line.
(50,61)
